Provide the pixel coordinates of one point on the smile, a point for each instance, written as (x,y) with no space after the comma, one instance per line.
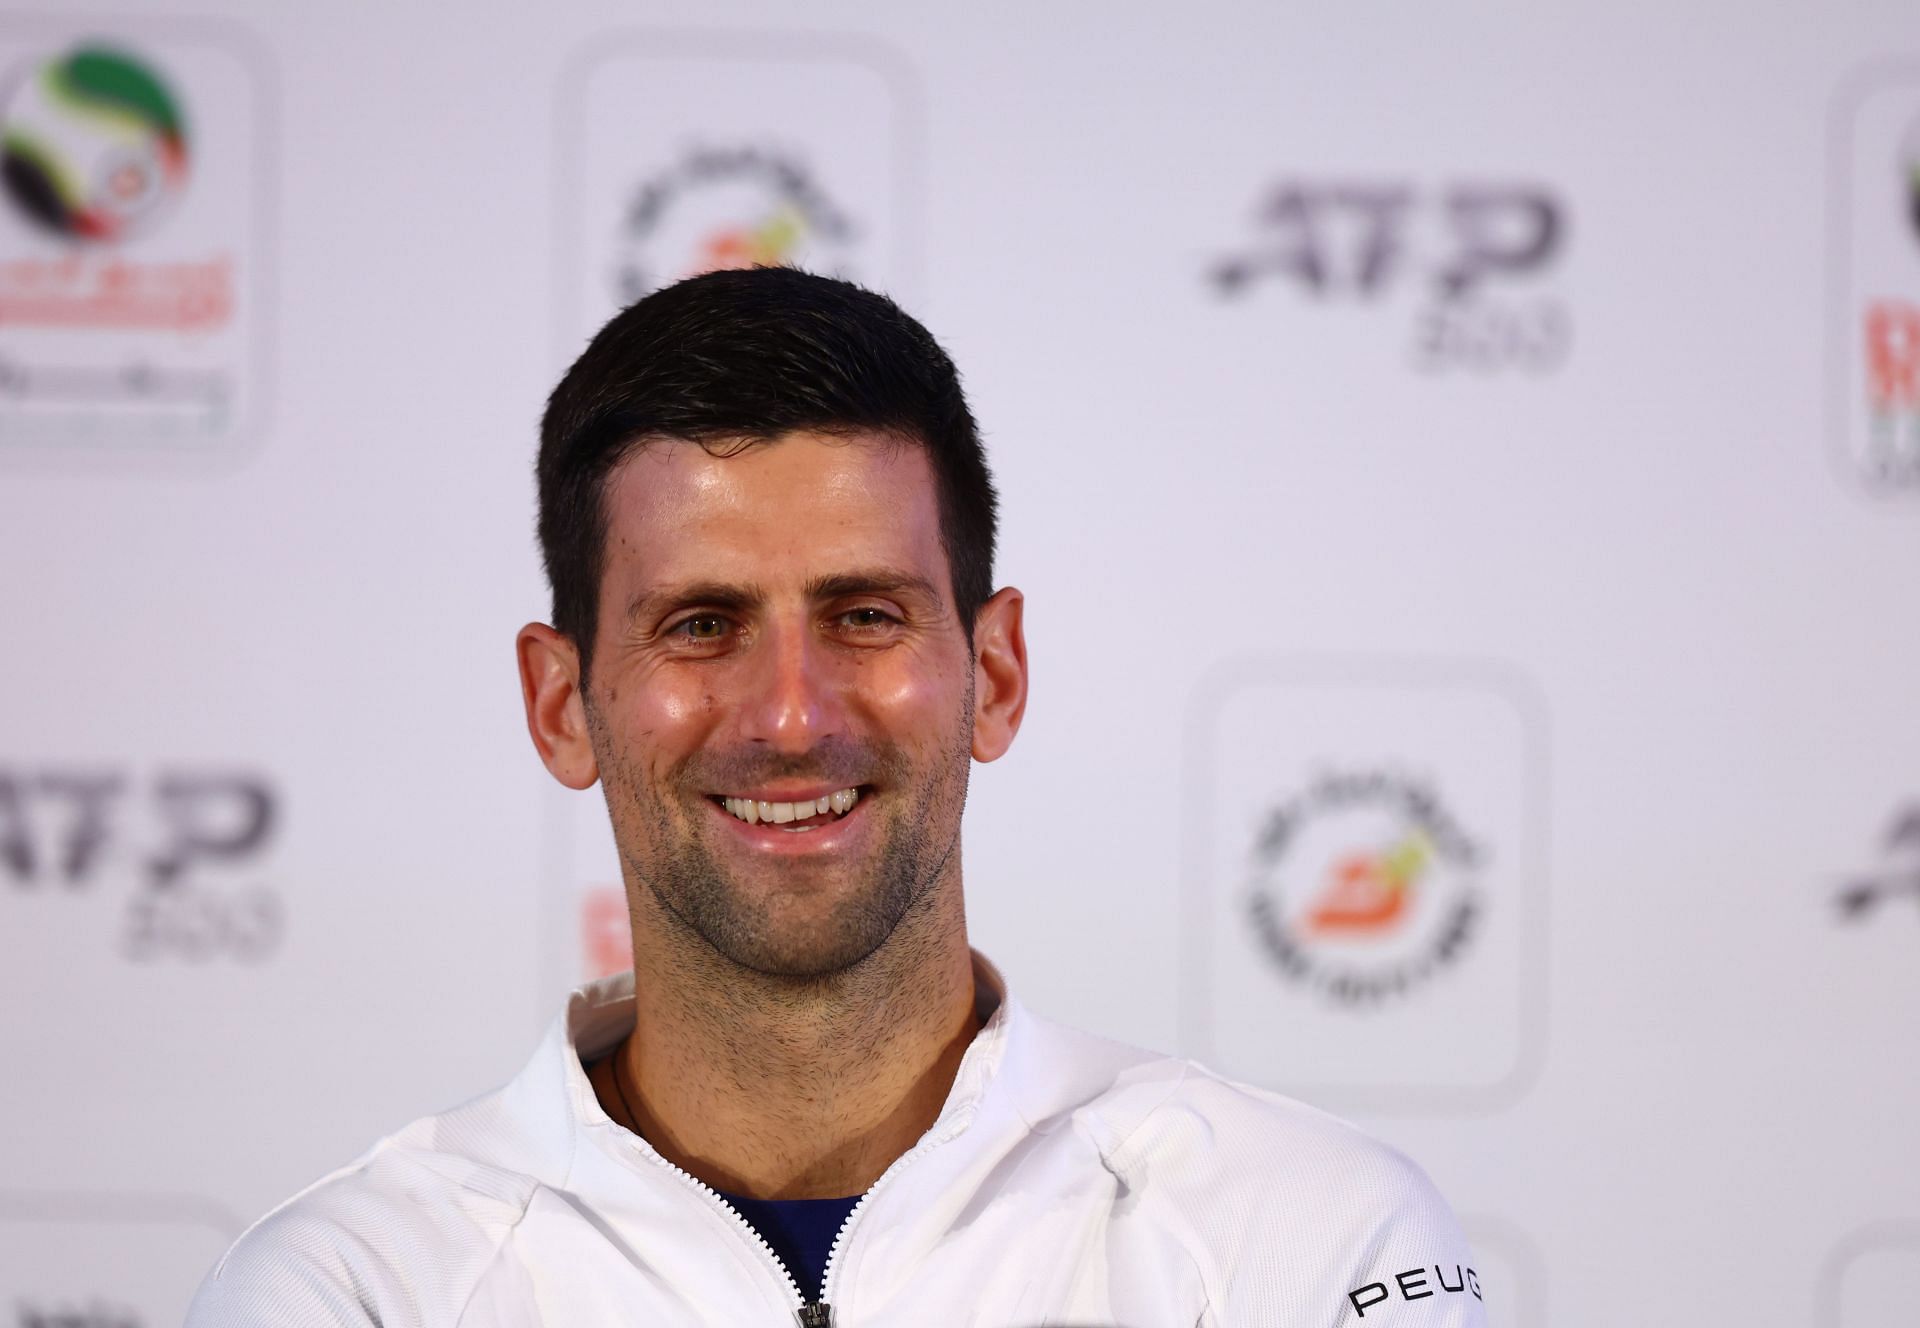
(808,814)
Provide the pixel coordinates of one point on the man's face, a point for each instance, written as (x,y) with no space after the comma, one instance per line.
(777,627)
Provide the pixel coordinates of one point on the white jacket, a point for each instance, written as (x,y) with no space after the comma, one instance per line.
(1068,1181)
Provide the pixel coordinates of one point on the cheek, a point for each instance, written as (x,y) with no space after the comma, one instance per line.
(667,709)
(915,707)
(663,718)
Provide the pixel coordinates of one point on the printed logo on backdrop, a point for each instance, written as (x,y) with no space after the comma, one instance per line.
(177,861)
(130,244)
(1894,880)
(606,932)
(88,1260)
(749,205)
(1364,882)
(684,155)
(94,1312)
(1872,1277)
(1458,274)
(1876,297)
(1362,887)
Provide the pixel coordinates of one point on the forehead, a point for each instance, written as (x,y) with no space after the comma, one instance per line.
(801,504)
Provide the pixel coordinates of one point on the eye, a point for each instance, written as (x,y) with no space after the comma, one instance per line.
(702,627)
(867,618)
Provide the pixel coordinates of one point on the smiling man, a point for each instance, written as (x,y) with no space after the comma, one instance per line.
(769,528)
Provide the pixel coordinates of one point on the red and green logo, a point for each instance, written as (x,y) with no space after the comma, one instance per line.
(1363,887)
(94,144)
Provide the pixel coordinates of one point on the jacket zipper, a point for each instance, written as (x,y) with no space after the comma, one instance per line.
(932,1141)
(810,1313)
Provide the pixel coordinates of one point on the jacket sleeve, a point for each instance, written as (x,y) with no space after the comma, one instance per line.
(1295,1219)
(288,1274)
(1412,1269)
(1385,1250)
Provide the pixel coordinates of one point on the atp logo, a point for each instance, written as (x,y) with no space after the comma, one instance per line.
(1899,876)
(1473,256)
(185,847)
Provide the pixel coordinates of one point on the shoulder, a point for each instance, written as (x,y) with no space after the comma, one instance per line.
(400,1236)
(1189,1125)
(1277,1204)
(1283,1205)
(406,1233)
(1211,1131)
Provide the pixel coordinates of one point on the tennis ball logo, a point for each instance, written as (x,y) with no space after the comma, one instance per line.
(94,145)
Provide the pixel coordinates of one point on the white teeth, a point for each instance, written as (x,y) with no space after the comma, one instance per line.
(780,813)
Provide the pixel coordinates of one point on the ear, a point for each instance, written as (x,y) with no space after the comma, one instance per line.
(556,711)
(999,673)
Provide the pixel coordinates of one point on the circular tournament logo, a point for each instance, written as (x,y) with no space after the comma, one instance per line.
(94,144)
(729,208)
(1362,888)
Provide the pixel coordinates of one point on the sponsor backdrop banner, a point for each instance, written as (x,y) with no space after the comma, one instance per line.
(1463,462)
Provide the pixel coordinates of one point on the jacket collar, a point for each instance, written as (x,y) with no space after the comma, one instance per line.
(553,1090)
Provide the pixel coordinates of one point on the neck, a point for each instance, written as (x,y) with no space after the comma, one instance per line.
(780,1088)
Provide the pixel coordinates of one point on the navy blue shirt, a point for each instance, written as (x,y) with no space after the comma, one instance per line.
(801,1232)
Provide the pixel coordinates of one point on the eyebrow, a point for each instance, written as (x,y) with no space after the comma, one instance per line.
(878,581)
(728,595)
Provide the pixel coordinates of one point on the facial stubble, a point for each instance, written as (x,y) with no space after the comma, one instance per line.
(664,835)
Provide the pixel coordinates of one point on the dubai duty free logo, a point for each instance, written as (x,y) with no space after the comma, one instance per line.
(131,239)
(94,152)
(1875,379)
(93,144)
(1362,887)
(1890,329)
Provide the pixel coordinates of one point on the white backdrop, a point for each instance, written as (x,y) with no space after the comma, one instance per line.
(1464,466)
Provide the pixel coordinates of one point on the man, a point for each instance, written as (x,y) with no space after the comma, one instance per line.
(769,528)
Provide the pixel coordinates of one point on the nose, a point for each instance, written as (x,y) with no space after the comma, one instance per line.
(793,701)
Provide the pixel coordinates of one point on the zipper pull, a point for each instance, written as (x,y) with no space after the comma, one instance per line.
(816,1315)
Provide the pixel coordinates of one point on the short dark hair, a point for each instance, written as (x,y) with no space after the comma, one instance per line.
(736,357)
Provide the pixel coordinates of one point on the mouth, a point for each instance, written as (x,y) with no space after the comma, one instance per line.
(796,816)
